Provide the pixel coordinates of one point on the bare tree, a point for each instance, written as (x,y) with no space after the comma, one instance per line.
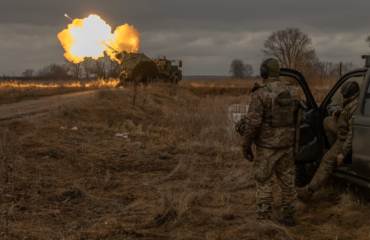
(100,68)
(237,68)
(88,65)
(75,69)
(54,71)
(325,74)
(249,72)
(368,40)
(66,67)
(292,48)
(28,73)
(348,66)
(113,68)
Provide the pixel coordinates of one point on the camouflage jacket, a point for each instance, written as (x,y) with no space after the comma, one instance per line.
(258,128)
(345,123)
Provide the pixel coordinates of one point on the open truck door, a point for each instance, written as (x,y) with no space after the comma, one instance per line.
(334,100)
(357,168)
(309,136)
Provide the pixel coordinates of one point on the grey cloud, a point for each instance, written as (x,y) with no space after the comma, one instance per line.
(205,34)
(28,46)
(167,14)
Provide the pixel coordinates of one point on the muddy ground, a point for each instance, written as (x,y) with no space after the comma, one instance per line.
(180,174)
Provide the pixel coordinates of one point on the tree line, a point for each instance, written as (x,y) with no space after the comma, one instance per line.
(290,46)
(294,50)
(103,67)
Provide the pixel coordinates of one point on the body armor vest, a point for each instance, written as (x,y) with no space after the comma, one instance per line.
(282,107)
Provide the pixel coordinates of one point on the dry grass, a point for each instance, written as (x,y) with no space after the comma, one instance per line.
(237,87)
(179,175)
(227,86)
(220,82)
(15,91)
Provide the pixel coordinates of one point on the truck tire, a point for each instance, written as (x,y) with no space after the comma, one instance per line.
(175,79)
(301,178)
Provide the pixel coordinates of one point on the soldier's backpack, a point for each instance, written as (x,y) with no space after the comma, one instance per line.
(282,112)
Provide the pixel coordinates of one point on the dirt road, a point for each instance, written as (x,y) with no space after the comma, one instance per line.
(32,107)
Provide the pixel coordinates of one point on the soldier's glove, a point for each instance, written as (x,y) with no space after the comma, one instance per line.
(248,154)
(240,125)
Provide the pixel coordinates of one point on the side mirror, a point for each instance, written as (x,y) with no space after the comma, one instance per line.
(180,63)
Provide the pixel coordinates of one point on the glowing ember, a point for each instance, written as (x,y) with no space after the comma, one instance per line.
(87,38)
(95,83)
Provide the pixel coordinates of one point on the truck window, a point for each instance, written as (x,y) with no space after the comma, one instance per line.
(336,99)
(367,102)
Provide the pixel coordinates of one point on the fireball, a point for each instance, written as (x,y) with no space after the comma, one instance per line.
(87,38)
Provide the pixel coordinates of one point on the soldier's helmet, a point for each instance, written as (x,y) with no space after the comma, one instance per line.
(349,89)
(272,67)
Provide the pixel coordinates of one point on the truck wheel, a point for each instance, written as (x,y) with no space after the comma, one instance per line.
(301,178)
(175,79)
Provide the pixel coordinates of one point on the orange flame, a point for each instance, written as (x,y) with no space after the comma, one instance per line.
(86,38)
(39,84)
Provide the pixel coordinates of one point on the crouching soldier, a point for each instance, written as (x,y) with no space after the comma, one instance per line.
(338,129)
(270,124)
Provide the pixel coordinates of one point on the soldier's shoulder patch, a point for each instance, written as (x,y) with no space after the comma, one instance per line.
(256,86)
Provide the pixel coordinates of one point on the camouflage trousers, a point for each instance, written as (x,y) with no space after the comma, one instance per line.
(270,164)
(331,129)
(329,161)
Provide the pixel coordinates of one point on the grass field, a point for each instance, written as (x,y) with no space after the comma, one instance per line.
(15,91)
(179,174)
(237,87)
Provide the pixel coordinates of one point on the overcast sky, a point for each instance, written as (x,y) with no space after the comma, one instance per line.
(205,34)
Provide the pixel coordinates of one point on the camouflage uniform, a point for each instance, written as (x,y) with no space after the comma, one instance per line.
(331,129)
(274,155)
(278,162)
(339,134)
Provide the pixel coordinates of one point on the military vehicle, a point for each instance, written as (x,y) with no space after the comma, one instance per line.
(138,67)
(313,140)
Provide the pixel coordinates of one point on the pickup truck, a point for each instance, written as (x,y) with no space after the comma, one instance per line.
(313,140)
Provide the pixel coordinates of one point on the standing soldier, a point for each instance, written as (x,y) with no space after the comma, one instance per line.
(270,125)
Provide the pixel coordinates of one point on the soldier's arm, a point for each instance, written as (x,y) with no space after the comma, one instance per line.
(347,145)
(254,119)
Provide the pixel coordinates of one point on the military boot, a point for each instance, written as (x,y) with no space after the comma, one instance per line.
(287,220)
(305,193)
